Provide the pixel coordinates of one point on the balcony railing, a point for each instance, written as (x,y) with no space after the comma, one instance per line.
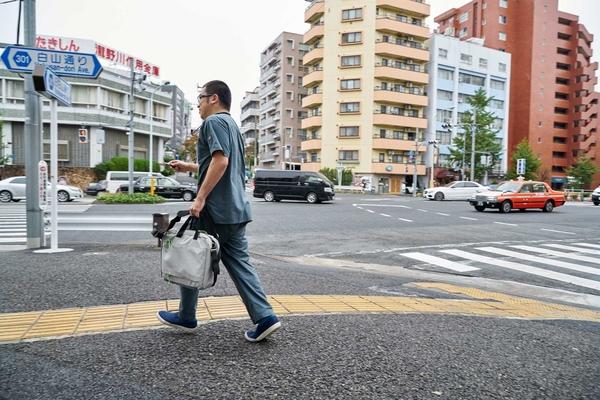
(403,89)
(403,42)
(400,160)
(401,65)
(403,19)
(400,112)
(399,135)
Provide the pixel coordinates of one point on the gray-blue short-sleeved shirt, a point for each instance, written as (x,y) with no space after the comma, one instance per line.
(227,203)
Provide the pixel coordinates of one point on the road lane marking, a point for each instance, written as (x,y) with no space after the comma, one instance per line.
(541,260)
(383,205)
(572,256)
(470,219)
(13,233)
(359,207)
(445,215)
(554,230)
(440,262)
(420,209)
(595,246)
(371,211)
(573,248)
(505,223)
(385,215)
(558,276)
(13,240)
(405,220)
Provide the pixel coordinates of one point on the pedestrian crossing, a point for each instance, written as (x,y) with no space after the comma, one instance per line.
(575,264)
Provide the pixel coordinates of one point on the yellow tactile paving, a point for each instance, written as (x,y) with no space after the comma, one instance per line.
(42,325)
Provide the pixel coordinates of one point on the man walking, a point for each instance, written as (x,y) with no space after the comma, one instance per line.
(222,196)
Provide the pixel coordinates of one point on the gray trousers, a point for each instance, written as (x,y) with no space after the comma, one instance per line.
(235,257)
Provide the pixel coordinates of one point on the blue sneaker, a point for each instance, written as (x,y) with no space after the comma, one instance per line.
(172,319)
(265,327)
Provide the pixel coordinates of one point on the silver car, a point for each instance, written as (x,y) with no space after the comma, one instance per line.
(13,189)
(459,190)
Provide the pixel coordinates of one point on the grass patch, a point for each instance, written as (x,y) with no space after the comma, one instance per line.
(126,198)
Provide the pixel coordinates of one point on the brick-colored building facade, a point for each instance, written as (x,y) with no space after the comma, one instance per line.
(552,101)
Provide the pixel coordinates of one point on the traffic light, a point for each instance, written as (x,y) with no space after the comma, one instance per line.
(83,136)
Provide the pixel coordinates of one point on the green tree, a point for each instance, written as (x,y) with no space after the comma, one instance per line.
(485,136)
(532,161)
(332,175)
(583,171)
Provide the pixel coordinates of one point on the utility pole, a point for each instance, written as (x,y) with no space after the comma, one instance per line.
(32,142)
(414,185)
(473,128)
(130,142)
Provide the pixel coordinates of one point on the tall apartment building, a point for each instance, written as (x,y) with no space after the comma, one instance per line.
(249,120)
(280,94)
(366,89)
(456,71)
(553,104)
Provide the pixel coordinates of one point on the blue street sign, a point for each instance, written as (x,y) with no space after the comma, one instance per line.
(63,63)
(57,87)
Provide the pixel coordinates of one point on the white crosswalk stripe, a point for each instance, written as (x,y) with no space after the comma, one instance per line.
(13,228)
(543,263)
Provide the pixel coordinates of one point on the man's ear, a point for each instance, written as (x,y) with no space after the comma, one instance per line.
(214,99)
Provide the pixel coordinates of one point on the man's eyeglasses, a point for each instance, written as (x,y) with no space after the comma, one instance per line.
(200,97)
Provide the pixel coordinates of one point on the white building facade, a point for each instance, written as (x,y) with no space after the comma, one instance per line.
(456,71)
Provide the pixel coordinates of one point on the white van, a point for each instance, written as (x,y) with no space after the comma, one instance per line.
(114,179)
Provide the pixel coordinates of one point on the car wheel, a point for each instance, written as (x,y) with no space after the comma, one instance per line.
(505,207)
(439,196)
(62,196)
(480,208)
(5,196)
(548,207)
(312,198)
(16,200)
(597,203)
(269,196)
(188,196)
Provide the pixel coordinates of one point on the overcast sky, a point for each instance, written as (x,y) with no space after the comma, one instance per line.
(196,41)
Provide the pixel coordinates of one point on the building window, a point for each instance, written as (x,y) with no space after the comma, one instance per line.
(112,100)
(463,17)
(289,78)
(353,107)
(560,125)
(463,32)
(464,98)
(348,155)
(443,137)
(471,79)
(560,110)
(483,63)
(351,37)
(444,95)
(563,36)
(290,95)
(502,36)
(496,84)
(290,43)
(501,67)
(466,59)
(350,61)
(562,96)
(445,74)
(348,131)
(63,150)
(504,3)
(443,115)
(497,104)
(562,51)
(354,13)
(497,123)
(87,95)
(314,157)
(564,67)
(442,53)
(350,84)
(290,61)
(559,140)
(502,19)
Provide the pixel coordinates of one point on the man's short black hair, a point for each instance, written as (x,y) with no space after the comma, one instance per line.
(221,89)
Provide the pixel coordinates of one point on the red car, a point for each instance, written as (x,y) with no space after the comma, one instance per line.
(519,195)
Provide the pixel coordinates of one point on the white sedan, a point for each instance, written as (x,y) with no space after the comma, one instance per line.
(458,190)
(13,189)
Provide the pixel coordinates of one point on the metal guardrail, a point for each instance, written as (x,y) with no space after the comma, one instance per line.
(104,223)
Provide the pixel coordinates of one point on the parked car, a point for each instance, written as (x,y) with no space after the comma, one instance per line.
(13,189)
(519,195)
(596,196)
(115,179)
(96,187)
(275,185)
(458,190)
(165,187)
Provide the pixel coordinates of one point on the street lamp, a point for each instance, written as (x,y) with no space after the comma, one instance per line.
(473,127)
(151,147)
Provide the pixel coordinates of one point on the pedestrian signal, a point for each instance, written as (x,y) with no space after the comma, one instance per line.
(83,136)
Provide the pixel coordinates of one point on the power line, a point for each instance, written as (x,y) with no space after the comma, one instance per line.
(8,1)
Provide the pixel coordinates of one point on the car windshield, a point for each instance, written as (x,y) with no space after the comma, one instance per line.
(509,187)
(449,184)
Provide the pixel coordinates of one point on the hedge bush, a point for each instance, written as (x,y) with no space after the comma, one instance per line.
(126,198)
(122,164)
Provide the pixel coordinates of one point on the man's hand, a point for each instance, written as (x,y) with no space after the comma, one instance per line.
(181,166)
(197,206)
